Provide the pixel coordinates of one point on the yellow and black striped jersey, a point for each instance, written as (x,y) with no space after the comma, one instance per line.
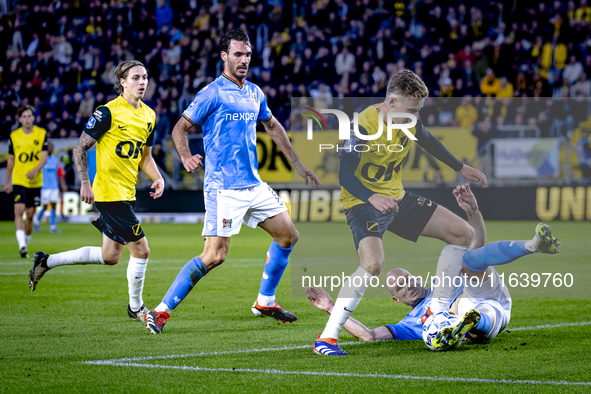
(374,167)
(121,132)
(27,149)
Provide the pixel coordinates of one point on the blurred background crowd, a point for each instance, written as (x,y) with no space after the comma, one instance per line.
(59,55)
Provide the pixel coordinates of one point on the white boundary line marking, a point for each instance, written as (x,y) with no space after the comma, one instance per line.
(585,323)
(344,374)
(128,362)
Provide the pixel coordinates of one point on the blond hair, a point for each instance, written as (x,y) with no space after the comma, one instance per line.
(407,84)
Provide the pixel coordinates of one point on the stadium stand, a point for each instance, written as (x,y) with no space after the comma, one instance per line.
(59,56)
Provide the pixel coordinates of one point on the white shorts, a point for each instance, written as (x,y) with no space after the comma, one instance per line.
(227,209)
(49,195)
(493,296)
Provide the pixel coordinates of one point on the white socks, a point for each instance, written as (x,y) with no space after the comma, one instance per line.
(85,255)
(136,272)
(163,308)
(449,266)
(349,297)
(264,300)
(20,238)
(27,239)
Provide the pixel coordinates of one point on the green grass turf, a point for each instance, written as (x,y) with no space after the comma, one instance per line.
(78,313)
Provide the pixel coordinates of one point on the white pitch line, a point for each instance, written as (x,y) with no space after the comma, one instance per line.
(274,349)
(354,375)
(585,323)
(269,349)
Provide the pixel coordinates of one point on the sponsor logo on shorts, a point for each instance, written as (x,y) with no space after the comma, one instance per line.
(422,201)
(373,227)
(137,229)
(17,198)
(226,223)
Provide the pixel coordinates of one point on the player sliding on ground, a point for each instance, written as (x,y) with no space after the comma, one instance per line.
(228,110)
(123,130)
(375,200)
(485,310)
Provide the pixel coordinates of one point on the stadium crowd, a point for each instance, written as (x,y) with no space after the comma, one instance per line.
(59,55)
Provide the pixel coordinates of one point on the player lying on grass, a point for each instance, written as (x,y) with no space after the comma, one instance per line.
(491,300)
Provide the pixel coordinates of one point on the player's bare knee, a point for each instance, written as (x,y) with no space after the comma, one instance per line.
(461,235)
(143,254)
(295,237)
(373,267)
(467,235)
(111,260)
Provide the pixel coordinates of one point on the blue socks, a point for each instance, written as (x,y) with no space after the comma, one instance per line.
(40,216)
(278,259)
(494,253)
(184,282)
(52,217)
(483,327)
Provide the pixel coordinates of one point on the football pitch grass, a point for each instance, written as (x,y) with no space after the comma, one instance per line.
(73,334)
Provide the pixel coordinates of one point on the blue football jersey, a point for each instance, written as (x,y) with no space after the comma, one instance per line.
(411,326)
(50,180)
(228,113)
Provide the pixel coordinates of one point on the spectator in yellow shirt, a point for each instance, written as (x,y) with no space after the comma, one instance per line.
(505,88)
(490,84)
(466,113)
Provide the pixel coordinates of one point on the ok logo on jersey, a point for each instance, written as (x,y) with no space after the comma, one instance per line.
(24,157)
(380,171)
(127,149)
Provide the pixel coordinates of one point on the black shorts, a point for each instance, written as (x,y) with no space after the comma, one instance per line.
(30,196)
(413,214)
(118,221)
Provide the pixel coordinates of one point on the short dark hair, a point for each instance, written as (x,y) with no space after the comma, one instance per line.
(23,108)
(236,35)
(122,71)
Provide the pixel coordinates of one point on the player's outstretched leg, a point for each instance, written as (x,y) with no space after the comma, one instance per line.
(44,262)
(184,282)
(505,252)
(349,297)
(452,336)
(266,304)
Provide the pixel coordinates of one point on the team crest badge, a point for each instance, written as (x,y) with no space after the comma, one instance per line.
(231,98)
(373,227)
(226,223)
(137,229)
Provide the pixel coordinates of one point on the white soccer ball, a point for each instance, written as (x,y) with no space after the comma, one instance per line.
(436,323)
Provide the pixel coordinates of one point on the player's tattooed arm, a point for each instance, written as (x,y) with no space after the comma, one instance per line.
(80,158)
(181,143)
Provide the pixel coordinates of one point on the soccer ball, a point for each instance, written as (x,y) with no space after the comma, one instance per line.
(436,323)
